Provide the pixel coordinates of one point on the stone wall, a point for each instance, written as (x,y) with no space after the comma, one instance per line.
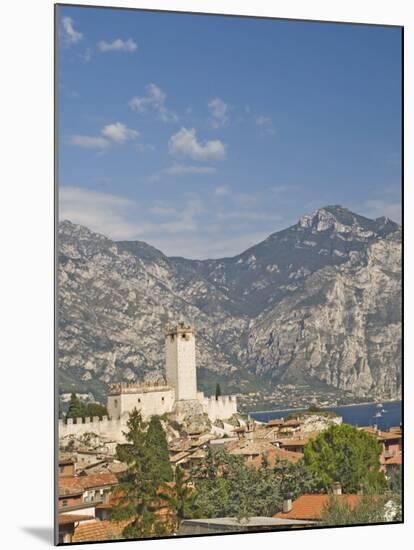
(157,401)
(110,428)
(221,408)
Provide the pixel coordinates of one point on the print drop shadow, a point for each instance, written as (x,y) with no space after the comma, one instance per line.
(42,533)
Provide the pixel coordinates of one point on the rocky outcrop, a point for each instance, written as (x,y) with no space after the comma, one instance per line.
(319,302)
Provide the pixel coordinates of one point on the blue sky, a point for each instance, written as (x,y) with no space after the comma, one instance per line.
(202,135)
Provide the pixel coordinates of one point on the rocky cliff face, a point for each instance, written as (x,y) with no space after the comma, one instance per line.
(317,303)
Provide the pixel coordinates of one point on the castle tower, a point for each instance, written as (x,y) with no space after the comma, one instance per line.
(181,361)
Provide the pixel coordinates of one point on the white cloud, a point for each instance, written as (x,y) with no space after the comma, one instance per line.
(116,132)
(117,45)
(89,142)
(219,111)
(119,132)
(101,212)
(266,123)
(185,143)
(110,215)
(155,101)
(69,32)
(176,228)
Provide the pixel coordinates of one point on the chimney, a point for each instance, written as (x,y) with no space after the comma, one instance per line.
(336,488)
(287,504)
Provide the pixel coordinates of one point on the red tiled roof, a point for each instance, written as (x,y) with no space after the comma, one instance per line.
(76,485)
(97,480)
(275,455)
(69,486)
(310,506)
(99,531)
(65,519)
(394,433)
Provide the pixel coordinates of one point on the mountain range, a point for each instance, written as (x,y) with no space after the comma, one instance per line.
(318,303)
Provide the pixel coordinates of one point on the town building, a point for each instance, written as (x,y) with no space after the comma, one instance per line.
(253,524)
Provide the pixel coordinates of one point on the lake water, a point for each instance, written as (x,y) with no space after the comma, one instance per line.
(357,415)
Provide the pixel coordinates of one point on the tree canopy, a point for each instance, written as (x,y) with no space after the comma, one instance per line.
(370,509)
(78,409)
(348,455)
(226,486)
(157,442)
(296,479)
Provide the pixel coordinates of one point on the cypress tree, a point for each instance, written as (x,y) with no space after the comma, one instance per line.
(158,448)
(138,484)
(218,391)
(76,408)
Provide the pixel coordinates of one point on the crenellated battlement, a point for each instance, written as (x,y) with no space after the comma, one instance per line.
(221,407)
(221,400)
(179,328)
(106,427)
(137,387)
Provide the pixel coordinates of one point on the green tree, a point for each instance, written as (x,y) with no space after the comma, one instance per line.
(348,455)
(180,497)
(226,486)
(138,489)
(157,442)
(95,409)
(370,509)
(218,391)
(296,479)
(76,407)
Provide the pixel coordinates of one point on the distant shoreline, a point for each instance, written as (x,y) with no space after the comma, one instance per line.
(324,408)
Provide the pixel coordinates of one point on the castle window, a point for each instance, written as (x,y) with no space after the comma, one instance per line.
(116,402)
(139,400)
(162,399)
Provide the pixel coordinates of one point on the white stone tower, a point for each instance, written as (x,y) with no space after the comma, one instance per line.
(181,361)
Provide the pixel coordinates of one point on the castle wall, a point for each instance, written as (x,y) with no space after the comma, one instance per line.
(157,401)
(221,408)
(110,428)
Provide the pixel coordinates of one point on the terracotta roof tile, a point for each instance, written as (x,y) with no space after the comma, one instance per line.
(311,506)
(65,519)
(97,480)
(396,459)
(275,455)
(69,486)
(75,485)
(99,531)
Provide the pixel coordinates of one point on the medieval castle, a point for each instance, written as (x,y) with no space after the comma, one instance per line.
(177,395)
